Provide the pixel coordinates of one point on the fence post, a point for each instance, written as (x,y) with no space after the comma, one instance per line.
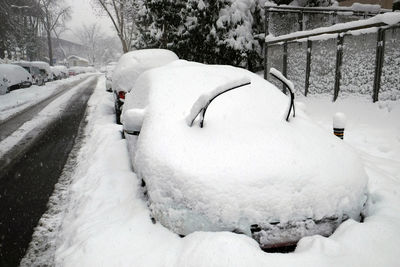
(265,60)
(284,64)
(301,21)
(339,57)
(308,66)
(266,21)
(266,30)
(380,49)
(335,18)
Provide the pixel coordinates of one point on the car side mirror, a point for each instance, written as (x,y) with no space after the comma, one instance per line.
(133,120)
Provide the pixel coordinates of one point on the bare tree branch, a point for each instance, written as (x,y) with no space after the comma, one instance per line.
(120,13)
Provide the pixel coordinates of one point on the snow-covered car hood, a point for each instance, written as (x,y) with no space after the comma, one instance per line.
(247,165)
(134,63)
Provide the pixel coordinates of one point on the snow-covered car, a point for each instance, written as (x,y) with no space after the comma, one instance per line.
(45,70)
(79,70)
(72,71)
(61,71)
(247,165)
(130,66)
(108,71)
(57,72)
(17,77)
(37,77)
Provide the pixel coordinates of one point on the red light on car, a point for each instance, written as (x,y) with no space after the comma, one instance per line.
(121,94)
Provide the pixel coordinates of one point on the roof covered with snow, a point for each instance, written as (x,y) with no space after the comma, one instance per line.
(78,58)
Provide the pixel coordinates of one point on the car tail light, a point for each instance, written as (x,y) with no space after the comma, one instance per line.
(121,94)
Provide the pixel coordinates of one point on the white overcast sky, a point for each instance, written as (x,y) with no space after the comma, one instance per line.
(84,13)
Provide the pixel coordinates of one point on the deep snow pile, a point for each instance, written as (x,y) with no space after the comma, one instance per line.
(107,222)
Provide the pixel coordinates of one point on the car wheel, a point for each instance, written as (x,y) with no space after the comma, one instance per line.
(118,116)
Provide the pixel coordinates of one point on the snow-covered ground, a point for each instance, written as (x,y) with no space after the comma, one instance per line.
(105,220)
(20,99)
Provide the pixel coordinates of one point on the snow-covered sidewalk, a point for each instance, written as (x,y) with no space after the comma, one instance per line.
(106,221)
(20,99)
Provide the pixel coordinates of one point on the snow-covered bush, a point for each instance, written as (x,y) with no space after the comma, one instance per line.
(219,31)
(357,69)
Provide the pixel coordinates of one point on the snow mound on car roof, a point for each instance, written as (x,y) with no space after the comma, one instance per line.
(247,165)
(132,64)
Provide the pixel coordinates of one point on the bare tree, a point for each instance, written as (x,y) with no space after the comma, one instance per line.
(57,33)
(54,15)
(109,50)
(121,14)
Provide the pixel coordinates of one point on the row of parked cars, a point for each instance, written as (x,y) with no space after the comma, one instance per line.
(22,74)
(252,166)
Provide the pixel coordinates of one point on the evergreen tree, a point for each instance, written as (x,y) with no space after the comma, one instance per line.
(209,31)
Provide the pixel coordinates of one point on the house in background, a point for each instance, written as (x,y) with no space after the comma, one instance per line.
(387,4)
(75,61)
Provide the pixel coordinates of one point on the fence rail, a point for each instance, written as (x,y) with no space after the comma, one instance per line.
(339,32)
(350,13)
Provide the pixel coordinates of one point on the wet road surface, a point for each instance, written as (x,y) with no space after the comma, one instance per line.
(12,123)
(28,183)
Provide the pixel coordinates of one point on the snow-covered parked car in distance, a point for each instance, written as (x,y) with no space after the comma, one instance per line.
(130,66)
(244,166)
(72,71)
(37,77)
(17,77)
(63,70)
(45,70)
(59,72)
(108,71)
(79,70)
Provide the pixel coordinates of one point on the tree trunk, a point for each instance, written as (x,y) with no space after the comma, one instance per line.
(50,45)
(125,47)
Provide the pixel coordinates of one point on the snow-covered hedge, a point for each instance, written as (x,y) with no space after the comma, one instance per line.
(358,66)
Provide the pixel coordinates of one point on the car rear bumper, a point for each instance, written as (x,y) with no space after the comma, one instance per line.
(275,235)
